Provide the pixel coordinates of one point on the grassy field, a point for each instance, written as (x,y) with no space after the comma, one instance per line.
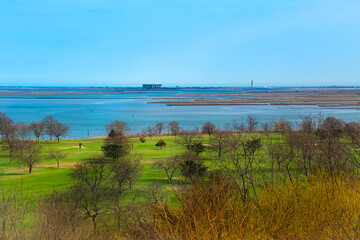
(46,176)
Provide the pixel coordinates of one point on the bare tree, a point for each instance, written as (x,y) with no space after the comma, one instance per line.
(307,124)
(57,217)
(126,170)
(159,127)
(23,130)
(28,154)
(169,165)
(174,128)
(282,126)
(5,121)
(240,162)
(352,131)
(150,131)
(93,191)
(60,130)
(334,153)
(124,173)
(14,207)
(208,128)
(251,123)
(119,127)
(237,126)
(189,138)
(220,142)
(11,138)
(266,128)
(49,122)
(331,127)
(38,129)
(57,155)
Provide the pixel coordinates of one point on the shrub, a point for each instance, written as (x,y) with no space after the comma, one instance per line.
(142,139)
(325,207)
(161,143)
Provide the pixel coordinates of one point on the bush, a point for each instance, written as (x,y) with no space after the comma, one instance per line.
(142,139)
(161,143)
(325,207)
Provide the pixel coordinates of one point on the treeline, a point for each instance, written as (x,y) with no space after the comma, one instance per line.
(16,139)
(277,182)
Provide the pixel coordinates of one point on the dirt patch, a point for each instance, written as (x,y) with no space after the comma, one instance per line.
(26,170)
(72,147)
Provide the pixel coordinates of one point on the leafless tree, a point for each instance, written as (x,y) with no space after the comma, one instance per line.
(220,143)
(92,191)
(238,126)
(14,208)
(308,124)
(5,121)
(119,127)
(28,154)
(124,173)
(159,127)
(23,130)
(331,127)
(150,131)
(189,138)
(307,150)
(60,130)
(352,131)
(38,129)
(169,165)
(49,122)
(174,128)
(208,128)
(240,162)
(334,153)
(57,155)
(57,217)
(251,123)
(11,138)
(266,128)
(282,126)
(280,160)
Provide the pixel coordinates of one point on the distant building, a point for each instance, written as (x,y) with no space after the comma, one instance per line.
(252,83)
(151,86)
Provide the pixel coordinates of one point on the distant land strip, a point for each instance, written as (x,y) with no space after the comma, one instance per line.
(323,98)
(17,93)
(23,97)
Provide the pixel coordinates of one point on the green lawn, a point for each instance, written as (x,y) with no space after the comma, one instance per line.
(46,177)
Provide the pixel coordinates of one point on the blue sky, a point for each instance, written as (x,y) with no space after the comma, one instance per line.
(179,42)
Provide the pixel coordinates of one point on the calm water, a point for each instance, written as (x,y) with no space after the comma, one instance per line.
(87,117)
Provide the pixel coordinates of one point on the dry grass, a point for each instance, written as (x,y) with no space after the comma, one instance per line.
(325,207)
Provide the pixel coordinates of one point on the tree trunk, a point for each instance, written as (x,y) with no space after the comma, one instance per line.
(58,163)
(30,169)
(94,222)
(58,140)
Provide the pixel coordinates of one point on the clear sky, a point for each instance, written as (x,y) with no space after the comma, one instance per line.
(179,42)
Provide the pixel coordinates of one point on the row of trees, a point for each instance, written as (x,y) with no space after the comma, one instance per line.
(254,159)
(15,139)
(22,131)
